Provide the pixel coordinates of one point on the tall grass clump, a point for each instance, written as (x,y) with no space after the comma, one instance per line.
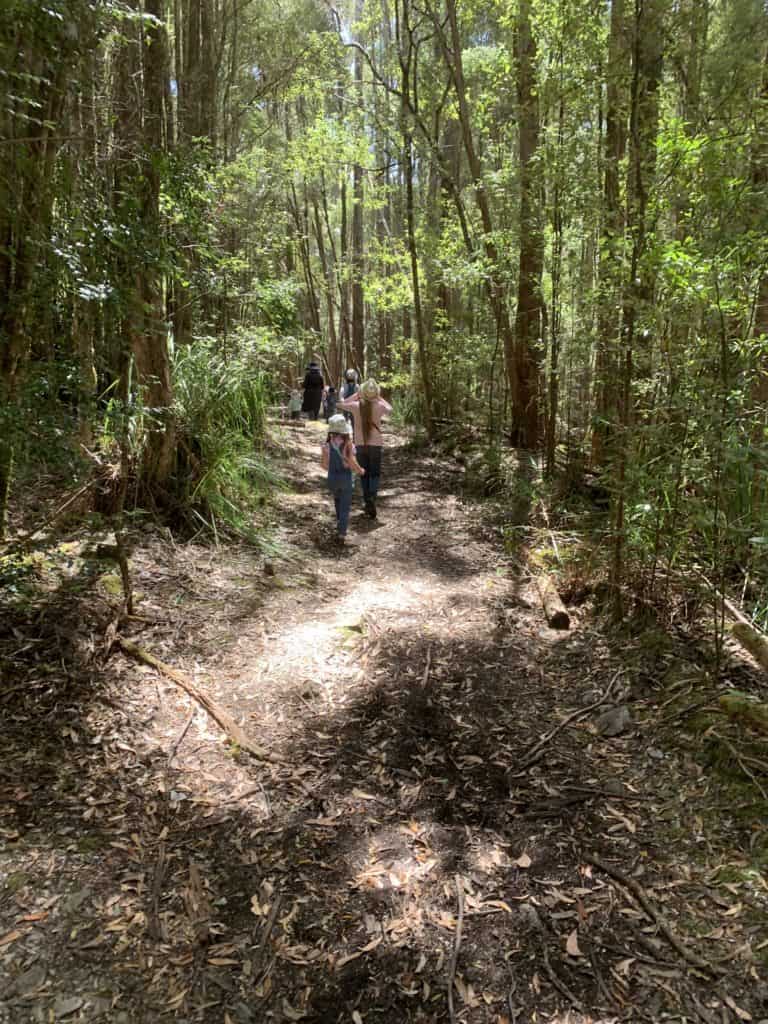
(220,412)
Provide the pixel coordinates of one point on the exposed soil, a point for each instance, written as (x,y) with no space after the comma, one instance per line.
(424,825)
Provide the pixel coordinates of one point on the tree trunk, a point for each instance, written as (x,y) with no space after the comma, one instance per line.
(495,281)
(606,357)
(358,241)
(647,58)
(528,320)
(418,312)
(29,124)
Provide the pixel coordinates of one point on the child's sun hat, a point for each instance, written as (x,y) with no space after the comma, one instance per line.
(338,425)
(370,390)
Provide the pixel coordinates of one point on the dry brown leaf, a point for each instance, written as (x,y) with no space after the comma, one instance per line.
(291,1013)
(10,937)
(360,952)
(741,1014)
(523,861)
(572,944)
(495,905)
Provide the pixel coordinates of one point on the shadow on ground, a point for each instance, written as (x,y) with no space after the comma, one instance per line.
(409,836)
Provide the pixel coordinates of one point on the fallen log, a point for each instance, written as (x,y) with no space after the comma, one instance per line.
(222,718)
(752,641)
(744,709)
(555,611)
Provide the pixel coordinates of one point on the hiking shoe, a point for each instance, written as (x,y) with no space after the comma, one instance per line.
(370,509)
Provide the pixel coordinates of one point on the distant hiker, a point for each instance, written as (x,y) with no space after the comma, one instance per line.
(294,405)
(329,402)
(349,387)
(368,409)
(313,391)
(338,458)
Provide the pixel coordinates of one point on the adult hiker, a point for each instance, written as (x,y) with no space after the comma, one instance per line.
(349,387)
(313,391)
(330,398)
(368,409)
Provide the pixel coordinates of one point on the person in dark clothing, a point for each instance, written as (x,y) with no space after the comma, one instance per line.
(329,402)
(313,391)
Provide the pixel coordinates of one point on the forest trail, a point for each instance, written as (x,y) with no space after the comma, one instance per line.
(429,827)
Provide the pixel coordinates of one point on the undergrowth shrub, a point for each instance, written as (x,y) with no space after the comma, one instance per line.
(220,410)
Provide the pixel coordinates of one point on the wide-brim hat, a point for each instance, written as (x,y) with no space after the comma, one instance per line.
(369,390)
(338,425)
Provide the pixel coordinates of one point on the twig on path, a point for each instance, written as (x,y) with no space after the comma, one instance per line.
(653,913)
(536,750)
(222,718)
(258,788)
(560,985)
(274,910)
(180,738)
(158,877)
(427,667)
(456,945)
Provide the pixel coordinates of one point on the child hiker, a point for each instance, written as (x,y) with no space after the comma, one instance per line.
(338,458)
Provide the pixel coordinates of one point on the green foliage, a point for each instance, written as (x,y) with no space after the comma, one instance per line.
(220,410)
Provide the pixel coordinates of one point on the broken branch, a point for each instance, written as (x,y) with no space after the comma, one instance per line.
(653,914)
(217,713)
(456,945)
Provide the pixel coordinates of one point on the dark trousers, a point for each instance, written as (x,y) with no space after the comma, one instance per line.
(369,457)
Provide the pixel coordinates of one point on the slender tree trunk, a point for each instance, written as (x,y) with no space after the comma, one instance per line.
(528,321)
(358,240)
(495,281)
(418,312)
(759,159)
(556,276)
(611,241)
(647,58)
(345,332)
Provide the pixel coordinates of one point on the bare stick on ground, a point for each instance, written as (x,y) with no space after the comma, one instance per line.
(217,713)
(456,945)
(653,913)
(180,739)
(536,750)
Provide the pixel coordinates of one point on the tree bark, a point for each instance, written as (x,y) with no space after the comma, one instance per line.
(647,60)
(358,240)
(528,320)
(495,285)
(606,356)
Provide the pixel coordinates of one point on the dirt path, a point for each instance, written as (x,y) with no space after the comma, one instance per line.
(417,829)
